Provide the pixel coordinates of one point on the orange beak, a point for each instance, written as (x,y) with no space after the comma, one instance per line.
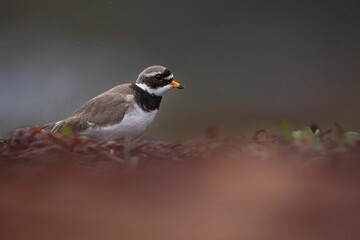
(177,85)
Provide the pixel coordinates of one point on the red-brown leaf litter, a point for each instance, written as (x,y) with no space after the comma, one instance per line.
(215,187)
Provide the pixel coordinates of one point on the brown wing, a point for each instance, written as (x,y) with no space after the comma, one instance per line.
(106,109)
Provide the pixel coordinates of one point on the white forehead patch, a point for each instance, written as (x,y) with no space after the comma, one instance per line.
(151,74)
(171,76)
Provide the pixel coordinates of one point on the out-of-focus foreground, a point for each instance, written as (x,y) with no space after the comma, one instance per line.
(55,187)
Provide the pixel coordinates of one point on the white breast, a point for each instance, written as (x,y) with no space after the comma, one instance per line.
(132,126)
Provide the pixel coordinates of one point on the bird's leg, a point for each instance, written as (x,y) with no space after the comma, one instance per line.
(130,161)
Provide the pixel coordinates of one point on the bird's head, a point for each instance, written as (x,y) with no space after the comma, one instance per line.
(157,80)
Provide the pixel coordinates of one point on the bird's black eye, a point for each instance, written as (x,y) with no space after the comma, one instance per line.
(158,76)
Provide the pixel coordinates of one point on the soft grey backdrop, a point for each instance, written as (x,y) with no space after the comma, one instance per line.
(244,63)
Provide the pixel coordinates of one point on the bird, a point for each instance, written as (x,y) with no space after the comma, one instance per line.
(123,112)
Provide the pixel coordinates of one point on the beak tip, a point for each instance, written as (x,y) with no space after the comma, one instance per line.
(177,85)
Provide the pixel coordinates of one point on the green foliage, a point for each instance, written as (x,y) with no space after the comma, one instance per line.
(307,136)
(352,136)
(65,131)
(314,136)
(284,129)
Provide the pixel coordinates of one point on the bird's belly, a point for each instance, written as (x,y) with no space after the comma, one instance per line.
(132,126)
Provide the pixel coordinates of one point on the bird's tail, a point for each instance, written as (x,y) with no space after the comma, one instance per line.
(49,126)
(54,127)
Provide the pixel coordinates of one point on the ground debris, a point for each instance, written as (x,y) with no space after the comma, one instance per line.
(36,146)
(215,187)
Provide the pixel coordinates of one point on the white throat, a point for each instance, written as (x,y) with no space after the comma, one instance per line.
(160,91)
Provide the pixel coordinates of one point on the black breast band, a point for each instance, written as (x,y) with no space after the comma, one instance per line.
(148,102)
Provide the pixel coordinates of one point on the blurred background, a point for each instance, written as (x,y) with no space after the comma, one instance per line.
(243,63)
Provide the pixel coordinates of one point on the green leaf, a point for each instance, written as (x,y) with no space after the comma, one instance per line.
(284,129)
(352,136)
(66,131)
(305,134)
